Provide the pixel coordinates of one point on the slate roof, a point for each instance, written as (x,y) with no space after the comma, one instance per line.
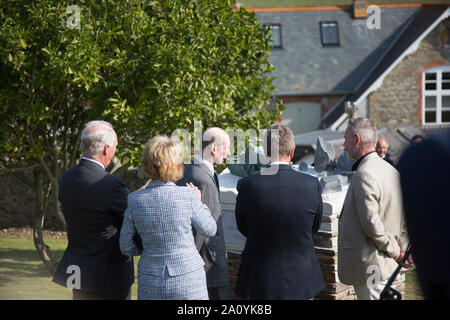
(421,22)
(303,65)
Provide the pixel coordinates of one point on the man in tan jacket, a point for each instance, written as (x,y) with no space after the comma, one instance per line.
(372,233)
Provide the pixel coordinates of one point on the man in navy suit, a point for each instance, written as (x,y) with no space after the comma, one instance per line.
(425,180)
(278,211)
(93,203)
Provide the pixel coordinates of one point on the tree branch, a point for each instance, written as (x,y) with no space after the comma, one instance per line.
(23,179)
(17,172)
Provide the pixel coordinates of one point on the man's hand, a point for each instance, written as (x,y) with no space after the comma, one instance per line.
(409,263)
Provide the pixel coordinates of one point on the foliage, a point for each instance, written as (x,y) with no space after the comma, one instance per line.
(149,67)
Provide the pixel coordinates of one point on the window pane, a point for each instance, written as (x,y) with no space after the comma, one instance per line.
(430,102)
(445,85)
(446,116)
(329,33)
(430,86)
(445,102)
(430,76)
(445,75)
(276,36)
(430,116)
(326,34)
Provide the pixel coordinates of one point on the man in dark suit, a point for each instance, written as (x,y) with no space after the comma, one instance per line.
(215,148)
(382,148)
(425,180)
(93,203)
(278,211)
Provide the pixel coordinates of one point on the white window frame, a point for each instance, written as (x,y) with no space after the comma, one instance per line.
(438,93)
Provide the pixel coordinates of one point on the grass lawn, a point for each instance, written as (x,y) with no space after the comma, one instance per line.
(24,277)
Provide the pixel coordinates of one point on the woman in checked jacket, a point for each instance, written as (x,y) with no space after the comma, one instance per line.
(163,215)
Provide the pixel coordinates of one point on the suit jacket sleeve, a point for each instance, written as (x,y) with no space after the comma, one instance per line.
(404,239)
(118,202)
(202,220)
(118,198)
(318,218)
(209,193)
(240,210)
(366,193)
(128,244)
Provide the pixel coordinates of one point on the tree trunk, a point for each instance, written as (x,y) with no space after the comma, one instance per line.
(42,249)
(58,210)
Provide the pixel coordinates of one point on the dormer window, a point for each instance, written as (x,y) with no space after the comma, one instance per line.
(275,28)
(329,33)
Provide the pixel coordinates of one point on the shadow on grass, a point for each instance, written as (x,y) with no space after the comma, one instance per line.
(23,263)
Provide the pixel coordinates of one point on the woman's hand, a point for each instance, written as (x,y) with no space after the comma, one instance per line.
(190,185)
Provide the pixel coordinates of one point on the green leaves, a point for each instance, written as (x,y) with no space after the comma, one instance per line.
(147,66)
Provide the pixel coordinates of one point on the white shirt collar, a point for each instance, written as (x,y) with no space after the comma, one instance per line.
(278,162)
(199,159)
(97,162)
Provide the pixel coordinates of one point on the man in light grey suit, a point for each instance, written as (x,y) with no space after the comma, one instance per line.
(372,233)
(215,148)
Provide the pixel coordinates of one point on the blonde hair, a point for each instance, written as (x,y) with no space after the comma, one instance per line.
(162,159)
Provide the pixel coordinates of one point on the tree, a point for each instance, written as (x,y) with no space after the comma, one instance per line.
(147,67)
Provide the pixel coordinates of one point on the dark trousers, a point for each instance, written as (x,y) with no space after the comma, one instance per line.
(218,293)
(123,294)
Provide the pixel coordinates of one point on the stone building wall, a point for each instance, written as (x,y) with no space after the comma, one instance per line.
(398,100)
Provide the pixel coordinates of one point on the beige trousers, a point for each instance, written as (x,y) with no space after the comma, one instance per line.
(373,292)
(370,292)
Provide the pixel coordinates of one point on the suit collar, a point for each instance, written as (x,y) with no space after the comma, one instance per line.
(199,160)
(94,161)
(204,168)
(361,161)
(213,175)
(90,164)
(282,167)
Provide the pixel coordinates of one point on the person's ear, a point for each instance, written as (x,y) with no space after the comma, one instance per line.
(292,153)
(357,138)
(213,149)
(105,150)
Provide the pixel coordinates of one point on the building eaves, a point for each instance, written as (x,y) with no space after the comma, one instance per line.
(415,31)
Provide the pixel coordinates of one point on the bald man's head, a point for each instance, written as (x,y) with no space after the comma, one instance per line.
(216,145)
(382,147)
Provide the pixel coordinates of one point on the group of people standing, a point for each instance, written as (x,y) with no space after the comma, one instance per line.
(175,222)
